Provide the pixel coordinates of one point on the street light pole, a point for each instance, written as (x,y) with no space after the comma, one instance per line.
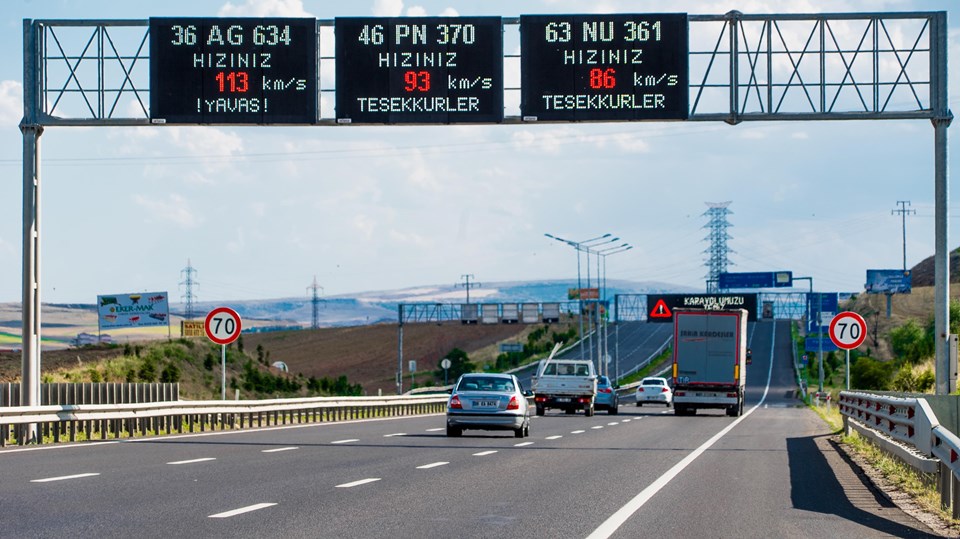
(604,253)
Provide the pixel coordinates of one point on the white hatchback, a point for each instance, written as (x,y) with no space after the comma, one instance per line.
(654,390)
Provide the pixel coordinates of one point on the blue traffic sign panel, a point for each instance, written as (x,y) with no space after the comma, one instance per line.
(762,279)
(815,344)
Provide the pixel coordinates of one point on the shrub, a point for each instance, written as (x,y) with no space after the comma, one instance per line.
(170,374)
(868,373)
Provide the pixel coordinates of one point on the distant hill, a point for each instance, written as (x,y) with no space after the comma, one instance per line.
(922,273)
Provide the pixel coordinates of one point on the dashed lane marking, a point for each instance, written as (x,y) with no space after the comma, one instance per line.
(63,477)
(395,434)
(358,483)
(484,453)
(522,444)
(555,437)
(347,441)
(432,465)
(242,510)
(279,449)
(577,431)
(191,461)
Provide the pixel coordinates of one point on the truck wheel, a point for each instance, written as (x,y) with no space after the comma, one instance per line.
(588,411)
(540,410)
(732,410)
(679,410)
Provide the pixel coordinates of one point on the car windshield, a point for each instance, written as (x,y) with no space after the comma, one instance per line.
(485,384)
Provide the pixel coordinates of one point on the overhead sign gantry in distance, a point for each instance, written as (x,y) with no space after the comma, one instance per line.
(233,71)
(604,67)
(419,70)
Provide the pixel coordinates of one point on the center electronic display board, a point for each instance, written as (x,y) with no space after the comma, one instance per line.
(419,69)
(660,307)
(233,70)
(604,67)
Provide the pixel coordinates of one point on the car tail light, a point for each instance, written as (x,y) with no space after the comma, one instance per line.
(455,402)
(640,389)
(665,390)
(513,404)
(604,390)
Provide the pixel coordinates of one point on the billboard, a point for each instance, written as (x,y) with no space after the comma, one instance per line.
(888,281)
(660,306)
(133,310)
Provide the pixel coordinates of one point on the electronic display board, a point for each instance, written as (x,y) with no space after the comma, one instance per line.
(660,307)
(419,69)
(233,70)
(604,67)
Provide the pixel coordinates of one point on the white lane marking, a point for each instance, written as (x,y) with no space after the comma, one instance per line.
(347,441)
(626,420)
(279,449)
(358,483)
(191,461)
(484,453)
(435,430)
(63,477)
(612,424)
(242,510)
(521,444)
(395,434)
(432,465)
(577,431)
(613,523)
(555,437)
(597,427)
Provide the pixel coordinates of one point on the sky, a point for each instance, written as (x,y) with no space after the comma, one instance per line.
(261,211)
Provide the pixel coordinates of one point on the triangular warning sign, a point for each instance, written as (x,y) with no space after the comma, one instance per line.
(660,310)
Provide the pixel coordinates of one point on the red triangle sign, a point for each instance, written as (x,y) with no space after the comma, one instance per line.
(660,310)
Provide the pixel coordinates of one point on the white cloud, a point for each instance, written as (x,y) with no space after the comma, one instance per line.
(174,209)
(365,225)
(450,12)
(265,8)
(11,102)
(387,8)
(416,11)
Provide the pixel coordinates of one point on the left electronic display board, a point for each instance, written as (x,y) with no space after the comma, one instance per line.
(233,70)
(417,70)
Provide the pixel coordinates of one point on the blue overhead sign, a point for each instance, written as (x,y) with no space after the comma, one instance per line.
(888,281)
(822,305)
(762,279)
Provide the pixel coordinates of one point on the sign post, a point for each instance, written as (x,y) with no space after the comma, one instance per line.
(222,326)
(848,330)
(445,363)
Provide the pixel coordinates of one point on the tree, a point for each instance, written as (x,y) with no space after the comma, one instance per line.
(868,373)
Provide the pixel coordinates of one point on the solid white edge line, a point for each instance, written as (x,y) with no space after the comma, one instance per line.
(612,524)
(242,510)
(279,449)
(435,430)
(63,477)
(358,483)
(484,453)
(191,461)
(432,465)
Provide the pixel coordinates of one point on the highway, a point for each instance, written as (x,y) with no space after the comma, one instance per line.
(770,473)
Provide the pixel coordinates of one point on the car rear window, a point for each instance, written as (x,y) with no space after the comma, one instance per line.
(653,382)
(485,384)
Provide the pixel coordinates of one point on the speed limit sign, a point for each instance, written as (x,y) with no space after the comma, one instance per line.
(222,325)
(848,330)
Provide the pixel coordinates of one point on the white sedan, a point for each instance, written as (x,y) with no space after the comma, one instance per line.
(654,390)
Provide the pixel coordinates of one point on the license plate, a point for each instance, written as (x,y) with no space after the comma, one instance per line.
(485,404)
(563,399)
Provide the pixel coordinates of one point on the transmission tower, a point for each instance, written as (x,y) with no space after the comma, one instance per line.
(467,284)
(718,251)
(904,212)
(315,302)
(188,283)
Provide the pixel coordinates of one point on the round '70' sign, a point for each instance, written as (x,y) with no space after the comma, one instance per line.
(848,330)
(222,325)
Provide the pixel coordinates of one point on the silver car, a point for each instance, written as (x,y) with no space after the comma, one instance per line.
(488,402)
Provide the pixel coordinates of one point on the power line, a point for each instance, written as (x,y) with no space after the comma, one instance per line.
(903,211)
(315,303)
(188,296)
(718,236)
(467,284)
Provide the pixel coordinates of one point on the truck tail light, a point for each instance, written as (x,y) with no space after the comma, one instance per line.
(513,404)
(732,395)
(680,394)
(539,399)
(584,400)
(455,402)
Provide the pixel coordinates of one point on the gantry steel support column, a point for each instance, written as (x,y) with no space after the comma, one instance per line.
(941,121)
(30,381)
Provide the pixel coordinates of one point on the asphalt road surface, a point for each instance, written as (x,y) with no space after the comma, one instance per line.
(645,472)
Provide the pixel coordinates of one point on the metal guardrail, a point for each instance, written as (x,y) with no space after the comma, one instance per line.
(128,420)
(908,429)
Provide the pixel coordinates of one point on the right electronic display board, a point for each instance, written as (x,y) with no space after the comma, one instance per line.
(604,67)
